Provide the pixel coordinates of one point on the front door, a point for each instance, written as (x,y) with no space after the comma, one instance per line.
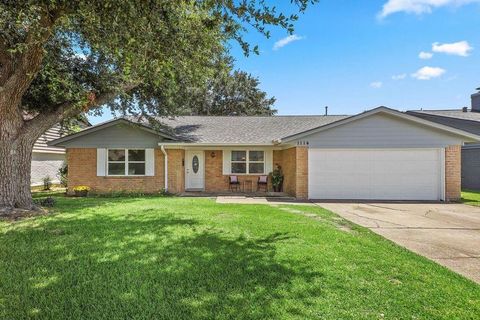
(194,167)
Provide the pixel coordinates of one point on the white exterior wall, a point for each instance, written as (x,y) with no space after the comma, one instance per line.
(46,164)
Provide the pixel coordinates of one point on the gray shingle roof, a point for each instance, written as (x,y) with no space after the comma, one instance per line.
(457,114)
(466,121)
(239,129)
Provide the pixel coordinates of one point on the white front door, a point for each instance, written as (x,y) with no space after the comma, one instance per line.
(194,167)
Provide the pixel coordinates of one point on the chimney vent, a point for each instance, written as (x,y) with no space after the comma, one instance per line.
(326,110)
(476,101)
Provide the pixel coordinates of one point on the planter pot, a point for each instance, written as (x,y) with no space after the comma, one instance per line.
(81,193)
(278,188)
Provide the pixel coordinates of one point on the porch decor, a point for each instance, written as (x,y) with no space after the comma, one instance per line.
(234,183)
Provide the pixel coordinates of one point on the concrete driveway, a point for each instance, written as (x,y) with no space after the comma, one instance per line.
(446,233)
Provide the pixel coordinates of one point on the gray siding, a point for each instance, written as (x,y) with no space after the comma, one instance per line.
(471,169)
(381,131)
(46,164)
(53,133)
(117,136)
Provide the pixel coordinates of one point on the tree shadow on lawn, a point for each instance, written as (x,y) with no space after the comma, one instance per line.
(147,266)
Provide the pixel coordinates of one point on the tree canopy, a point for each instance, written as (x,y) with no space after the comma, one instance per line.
(59,58)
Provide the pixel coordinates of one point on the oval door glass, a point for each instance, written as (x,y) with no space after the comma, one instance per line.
(195,164)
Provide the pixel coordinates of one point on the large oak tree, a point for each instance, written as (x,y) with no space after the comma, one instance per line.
(228,92)
(59,58)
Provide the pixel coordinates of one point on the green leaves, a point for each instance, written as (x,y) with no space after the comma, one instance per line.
(166,47)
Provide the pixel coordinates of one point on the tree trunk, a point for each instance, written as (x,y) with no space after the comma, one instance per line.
(17,137)
(15,167)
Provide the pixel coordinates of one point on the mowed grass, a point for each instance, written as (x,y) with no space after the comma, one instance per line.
(471,197)
(184,258)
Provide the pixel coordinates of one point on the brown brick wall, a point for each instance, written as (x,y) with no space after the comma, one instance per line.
(453,175)
(82,164)
(288,161)
(82,170)
(301,174)
(215,181)
(294,163)
(176,170)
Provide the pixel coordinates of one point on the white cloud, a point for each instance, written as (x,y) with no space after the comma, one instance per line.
(283,42)
(425,55)
(399,76)
(427,73)
(461,48)
(418,6)
(376,84)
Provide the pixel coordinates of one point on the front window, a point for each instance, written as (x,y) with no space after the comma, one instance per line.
(248,162)
(126,162)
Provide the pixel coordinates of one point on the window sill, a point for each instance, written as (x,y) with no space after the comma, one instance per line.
(246,174)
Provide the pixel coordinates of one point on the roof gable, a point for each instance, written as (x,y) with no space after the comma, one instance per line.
(108,124)
(390,112)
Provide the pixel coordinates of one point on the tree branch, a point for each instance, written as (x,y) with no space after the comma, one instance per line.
(28,63)
(44,120)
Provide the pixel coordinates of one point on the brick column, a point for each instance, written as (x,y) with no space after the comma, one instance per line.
(453,175)
(301,173)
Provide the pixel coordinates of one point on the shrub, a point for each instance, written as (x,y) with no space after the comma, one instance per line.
(81,188)
(63,174)
(165,193)
(47,183)
(46,202)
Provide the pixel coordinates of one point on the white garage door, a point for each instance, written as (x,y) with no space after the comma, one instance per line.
(380,174)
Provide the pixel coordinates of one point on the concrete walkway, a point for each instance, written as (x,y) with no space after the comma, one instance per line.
(260,200)
(446,233)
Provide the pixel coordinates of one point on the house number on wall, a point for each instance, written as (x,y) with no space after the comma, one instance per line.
(195,164)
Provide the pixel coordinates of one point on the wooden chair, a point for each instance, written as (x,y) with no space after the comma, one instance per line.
(262,183)
(234,183)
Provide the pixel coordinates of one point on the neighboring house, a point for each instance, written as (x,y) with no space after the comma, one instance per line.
(467,120)
(47,160)
(380,154)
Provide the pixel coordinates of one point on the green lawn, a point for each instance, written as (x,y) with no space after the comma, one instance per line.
(184,258)
(471,197)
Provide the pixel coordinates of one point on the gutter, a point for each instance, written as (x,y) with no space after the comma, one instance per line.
(200,144)
(162,147)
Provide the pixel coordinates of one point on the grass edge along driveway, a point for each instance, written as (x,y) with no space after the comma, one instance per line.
(183,258)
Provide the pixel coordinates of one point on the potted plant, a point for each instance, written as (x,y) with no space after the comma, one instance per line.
(277,179)
(81,191)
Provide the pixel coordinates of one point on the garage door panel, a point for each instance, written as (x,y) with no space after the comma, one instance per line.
(386,174)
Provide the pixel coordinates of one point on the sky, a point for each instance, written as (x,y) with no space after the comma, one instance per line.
(353,55)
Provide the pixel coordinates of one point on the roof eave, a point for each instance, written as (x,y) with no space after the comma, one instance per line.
(210,144)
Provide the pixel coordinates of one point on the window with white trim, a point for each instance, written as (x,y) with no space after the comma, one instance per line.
(126,162)
(248,161)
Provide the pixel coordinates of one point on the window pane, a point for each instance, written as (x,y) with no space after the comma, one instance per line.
(136,169)
(116,169)
(136,155)
(255,155)
(239,156)
(255,168)
(116,155)
(239,168)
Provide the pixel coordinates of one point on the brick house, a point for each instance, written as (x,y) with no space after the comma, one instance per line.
(381,154)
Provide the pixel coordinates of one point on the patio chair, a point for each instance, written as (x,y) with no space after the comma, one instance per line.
(234,183)
(262,183)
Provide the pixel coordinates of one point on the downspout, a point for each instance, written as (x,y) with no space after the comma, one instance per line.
(162,147)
